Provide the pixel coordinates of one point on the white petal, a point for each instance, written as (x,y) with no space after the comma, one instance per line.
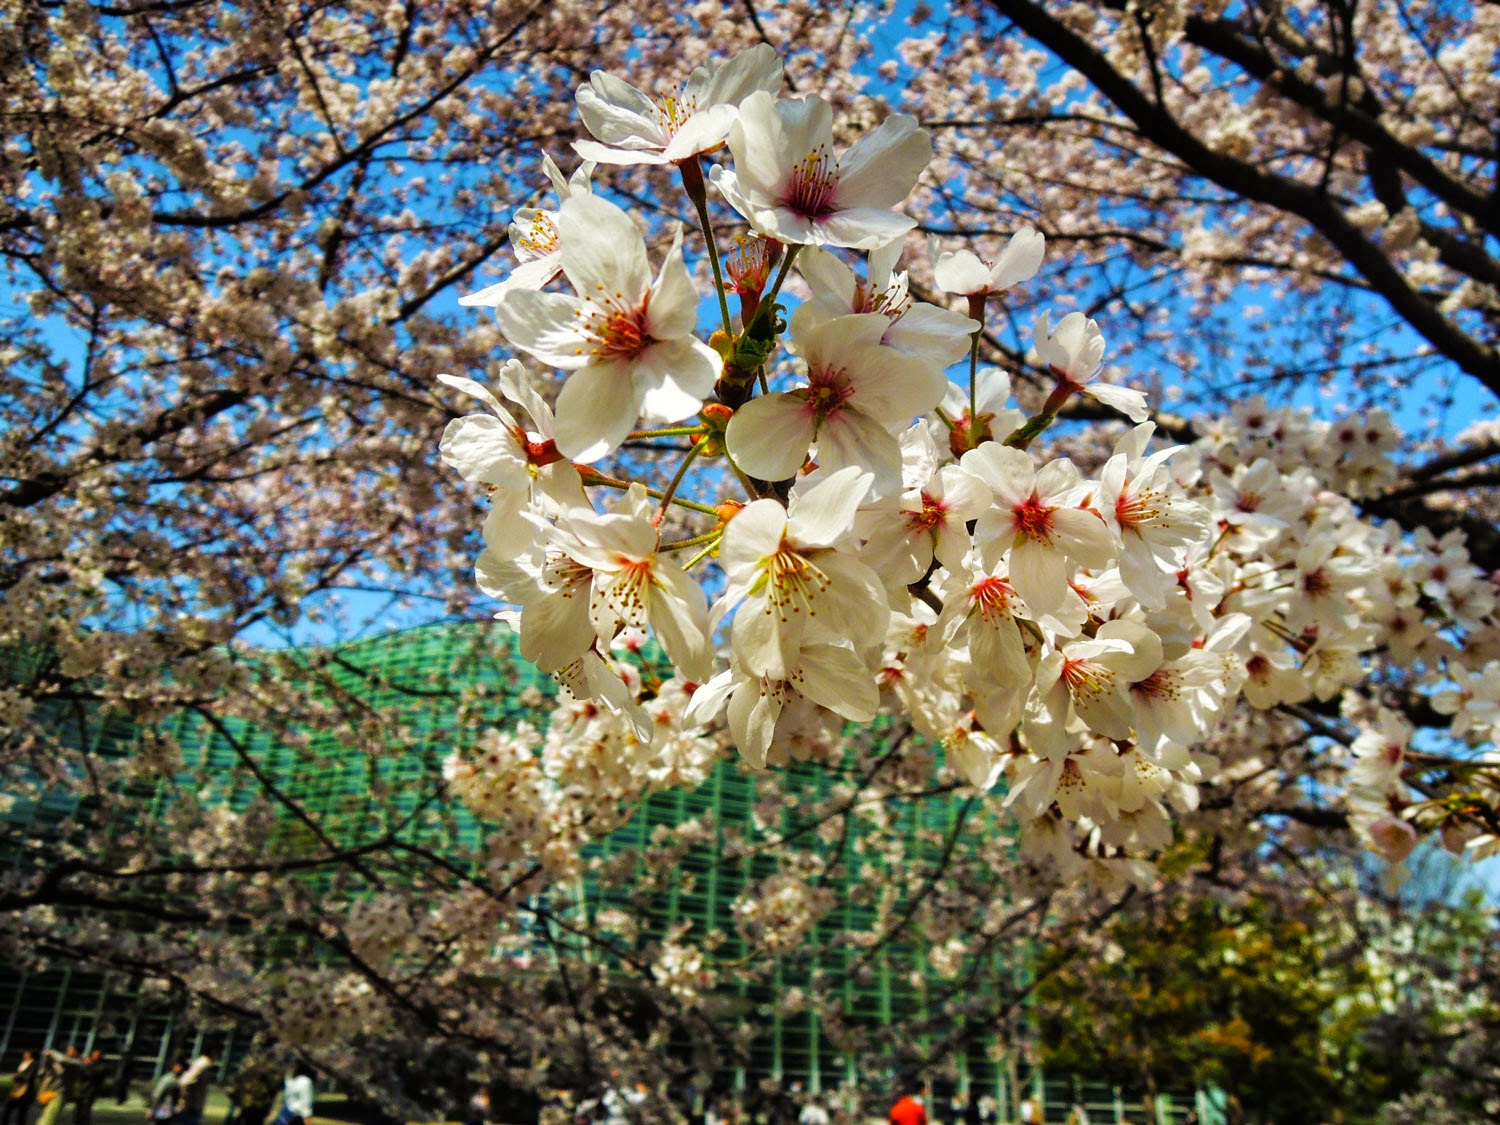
(831,281)
(616,112)
(705,703)
(528,275)
(759,68)
(483,449)
(623,157)
(1084,536)
(1129,402)
(754,532)
(481,392)
(703,132)
(769,436)
(1019,261)
(674,378)
(860,228)
(546,325)
(936,335)
(596,408)
(762,150)
(852,437)
(555,630)
(673,309)
(835,677)
(603,252)
(961,272)
(882,167)
(823,514)
(1039,574)
(752,721)
(679,614)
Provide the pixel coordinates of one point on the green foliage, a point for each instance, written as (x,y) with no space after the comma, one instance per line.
(1253,998)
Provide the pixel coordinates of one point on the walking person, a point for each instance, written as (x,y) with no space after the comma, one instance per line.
(50,1086)
(22,1094)
(88,1086)
(163,1103)
(192,1093)
(296,1096)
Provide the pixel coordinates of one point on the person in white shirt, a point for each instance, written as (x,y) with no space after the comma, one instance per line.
(296,1097)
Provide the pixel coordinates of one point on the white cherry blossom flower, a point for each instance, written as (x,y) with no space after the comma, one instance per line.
(829,676)
(1379,754)
(986,417)
(790,583)
(535,241)
(1035,521)
(789,185)
(553,623)
(936,335)
(928,522)
(1073,351)
(634,585)
(627,340)
(521,468)
(1149,515)
(975,754)
(1095,674)
(632,127)
(982,608)
(858,394)
(963,272)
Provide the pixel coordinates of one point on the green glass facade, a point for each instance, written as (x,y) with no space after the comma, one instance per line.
(443,685)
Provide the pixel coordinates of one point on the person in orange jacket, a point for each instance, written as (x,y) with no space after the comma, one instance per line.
(908,1111)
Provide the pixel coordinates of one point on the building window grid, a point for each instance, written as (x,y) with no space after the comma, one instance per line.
(398,673)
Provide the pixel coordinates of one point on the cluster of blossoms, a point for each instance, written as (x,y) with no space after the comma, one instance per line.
(319,1005)
(880,538)
(550,793)
(779,913)
(682,971)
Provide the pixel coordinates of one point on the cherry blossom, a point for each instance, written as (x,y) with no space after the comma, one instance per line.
(535,240)
(634,128)
(1035,524)
(790,582)
(790,186)
(963,272)
(626,339)
(858,392)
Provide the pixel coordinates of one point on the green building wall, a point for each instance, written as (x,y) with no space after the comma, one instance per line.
(413,676)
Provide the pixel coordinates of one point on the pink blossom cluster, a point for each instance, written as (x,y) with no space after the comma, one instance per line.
(818,541)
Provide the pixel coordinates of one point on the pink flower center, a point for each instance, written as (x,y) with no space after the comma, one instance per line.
(992,598)
(810,190)
(1034,519)
(828,390)
(749,263)
(1134,509)
(620,331)
(1161,685)
(1087,679)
